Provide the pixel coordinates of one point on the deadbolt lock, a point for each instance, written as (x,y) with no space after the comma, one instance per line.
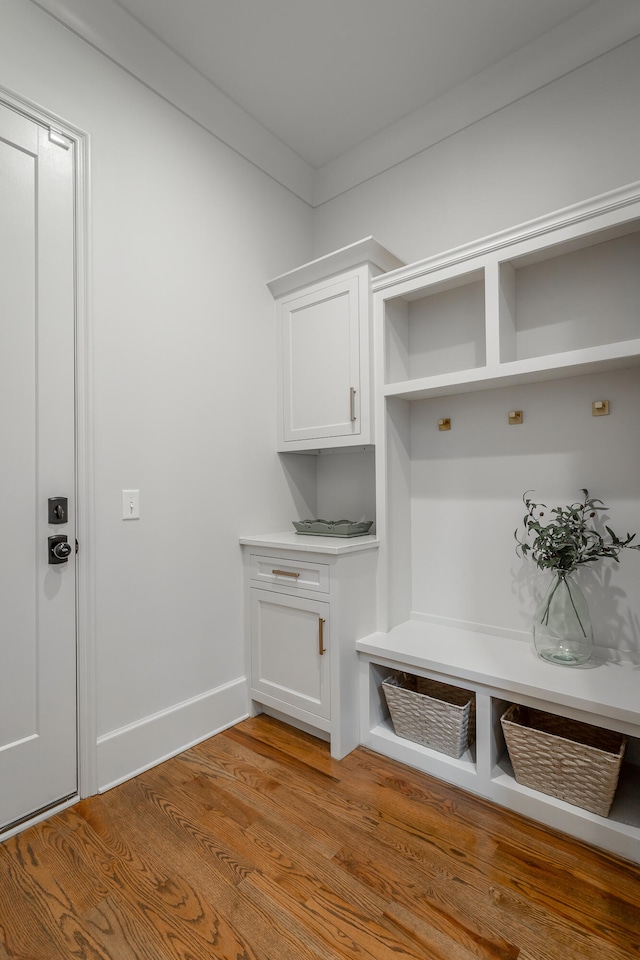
(58,511)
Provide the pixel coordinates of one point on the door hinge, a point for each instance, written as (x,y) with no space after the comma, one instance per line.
(59,139)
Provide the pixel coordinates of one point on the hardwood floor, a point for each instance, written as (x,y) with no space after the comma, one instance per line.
(256,845)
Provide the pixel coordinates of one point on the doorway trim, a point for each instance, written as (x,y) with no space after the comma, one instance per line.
(84,466)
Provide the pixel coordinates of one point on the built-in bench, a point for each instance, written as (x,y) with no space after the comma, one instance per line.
(501,671)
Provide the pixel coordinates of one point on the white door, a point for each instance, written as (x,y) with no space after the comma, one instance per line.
(38,737)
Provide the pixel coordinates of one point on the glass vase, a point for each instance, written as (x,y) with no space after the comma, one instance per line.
(561,624)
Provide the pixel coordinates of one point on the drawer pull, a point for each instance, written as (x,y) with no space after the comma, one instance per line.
(352,403)
(321,646)
(285,573)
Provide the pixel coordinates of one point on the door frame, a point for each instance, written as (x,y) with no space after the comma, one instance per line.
(84,463)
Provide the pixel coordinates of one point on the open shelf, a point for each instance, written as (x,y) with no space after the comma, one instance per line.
(500,676)
(619,832)
(623,818)
(437,330)
(573,363)
(379,734)
(413,751)
(576,299)
(542,303)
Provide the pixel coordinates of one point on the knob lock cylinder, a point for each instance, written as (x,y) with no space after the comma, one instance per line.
(59,549)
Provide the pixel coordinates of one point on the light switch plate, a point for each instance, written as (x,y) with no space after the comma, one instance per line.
(130,504)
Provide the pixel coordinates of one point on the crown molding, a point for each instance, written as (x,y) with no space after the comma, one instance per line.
(115,33)
(597,30)
(368,250)
(110,29)
(604,206)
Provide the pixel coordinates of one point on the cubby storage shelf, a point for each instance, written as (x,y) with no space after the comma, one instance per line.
(623,820)
(501,671)
(553,298)
(609,691)
(572,363)
(460,770)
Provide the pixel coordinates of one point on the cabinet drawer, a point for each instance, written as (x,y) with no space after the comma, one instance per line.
(293,574)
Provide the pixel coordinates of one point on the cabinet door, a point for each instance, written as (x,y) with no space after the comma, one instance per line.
(287,665)
(320,356)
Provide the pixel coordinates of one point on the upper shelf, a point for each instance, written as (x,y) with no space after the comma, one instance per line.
(555,298)
(568,364)
(538,238)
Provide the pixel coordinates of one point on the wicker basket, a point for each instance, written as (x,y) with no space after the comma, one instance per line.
(435,714)
(563,758)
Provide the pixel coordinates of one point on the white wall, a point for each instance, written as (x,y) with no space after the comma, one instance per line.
(467,485)
(573,139)
(353,496)
(185,234)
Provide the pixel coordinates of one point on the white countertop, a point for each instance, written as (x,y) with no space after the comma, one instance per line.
(290,540)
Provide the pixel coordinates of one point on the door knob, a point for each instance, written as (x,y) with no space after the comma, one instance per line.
(59,549)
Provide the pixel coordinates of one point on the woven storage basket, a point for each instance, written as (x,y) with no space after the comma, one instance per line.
(564,758)
(435,714)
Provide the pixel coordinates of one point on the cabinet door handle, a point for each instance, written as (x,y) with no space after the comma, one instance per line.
(352,403)
(285,573)
(321,646)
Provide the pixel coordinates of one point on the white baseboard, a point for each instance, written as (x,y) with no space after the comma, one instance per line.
(130,750)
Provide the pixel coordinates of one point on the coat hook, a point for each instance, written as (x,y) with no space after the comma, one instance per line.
(600,408)
(515,416)
(444,424)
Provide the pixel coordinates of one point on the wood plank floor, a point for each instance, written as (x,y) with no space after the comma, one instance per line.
(256,845)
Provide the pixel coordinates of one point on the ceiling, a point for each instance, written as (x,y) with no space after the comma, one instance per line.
(324,75)
(322,95)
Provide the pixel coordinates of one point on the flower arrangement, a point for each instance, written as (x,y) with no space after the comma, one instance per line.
(568,538)
(560,540)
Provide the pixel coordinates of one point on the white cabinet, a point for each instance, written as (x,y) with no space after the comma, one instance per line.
(552,300)
(308,599)
(323,314)
(291,651)
(320,356)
